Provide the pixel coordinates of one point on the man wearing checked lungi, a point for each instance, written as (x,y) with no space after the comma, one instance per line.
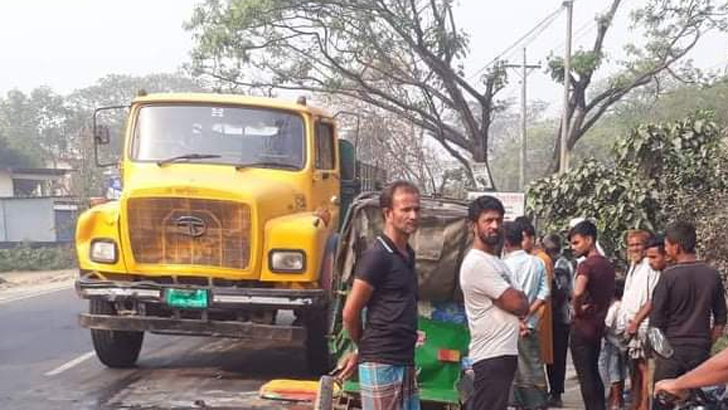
(386,285)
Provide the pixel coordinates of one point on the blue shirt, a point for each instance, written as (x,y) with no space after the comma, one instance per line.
(529,276)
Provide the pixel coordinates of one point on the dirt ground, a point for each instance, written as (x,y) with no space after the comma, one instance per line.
(21,278)
(16,286)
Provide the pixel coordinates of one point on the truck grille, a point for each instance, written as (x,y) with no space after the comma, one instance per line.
(183,231)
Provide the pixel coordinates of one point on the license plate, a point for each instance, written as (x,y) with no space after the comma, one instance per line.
(187,298)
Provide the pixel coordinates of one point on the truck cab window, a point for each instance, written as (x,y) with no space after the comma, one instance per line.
(325,154)
(235,135)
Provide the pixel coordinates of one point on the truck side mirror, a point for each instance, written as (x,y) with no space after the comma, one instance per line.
(108,134)
(102,135)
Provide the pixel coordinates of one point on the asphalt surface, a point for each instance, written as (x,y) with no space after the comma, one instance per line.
(47,362)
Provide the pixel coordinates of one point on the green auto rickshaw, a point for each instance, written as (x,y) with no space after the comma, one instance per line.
(440,244)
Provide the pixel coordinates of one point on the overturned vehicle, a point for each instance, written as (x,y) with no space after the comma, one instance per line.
(440,244)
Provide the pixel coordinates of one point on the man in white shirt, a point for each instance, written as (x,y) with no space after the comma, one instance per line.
(634,312)
(493,307)
(529,275)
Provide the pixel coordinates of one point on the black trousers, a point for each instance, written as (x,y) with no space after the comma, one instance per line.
(682,361)
(557,371)
(493,379)
(585,354)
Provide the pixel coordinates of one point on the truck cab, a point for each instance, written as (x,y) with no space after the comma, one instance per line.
(228,214)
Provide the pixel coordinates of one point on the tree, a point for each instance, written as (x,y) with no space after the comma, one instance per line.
(670,28)
(111,90)
(403,57)
(12,157)
(119,89)
(660,172)
(386,141)
(505,148)
(35,125)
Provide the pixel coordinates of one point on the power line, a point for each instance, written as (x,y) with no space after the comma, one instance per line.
(540,26)
(585,29)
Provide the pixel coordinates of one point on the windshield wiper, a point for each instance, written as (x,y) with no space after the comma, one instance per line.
(264,164)
(186,157)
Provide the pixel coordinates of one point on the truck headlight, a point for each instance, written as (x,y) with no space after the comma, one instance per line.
(103,251)
(287,261)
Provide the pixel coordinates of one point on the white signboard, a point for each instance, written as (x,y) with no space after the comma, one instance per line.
(481,175)
(514,202)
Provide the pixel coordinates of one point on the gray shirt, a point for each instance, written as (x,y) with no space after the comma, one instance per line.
(563,288)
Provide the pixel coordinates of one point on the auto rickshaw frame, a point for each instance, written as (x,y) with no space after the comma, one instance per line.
(440,354)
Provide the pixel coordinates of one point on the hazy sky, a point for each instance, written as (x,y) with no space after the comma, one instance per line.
(69,44)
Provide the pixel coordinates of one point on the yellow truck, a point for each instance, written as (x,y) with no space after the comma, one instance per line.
(229,214)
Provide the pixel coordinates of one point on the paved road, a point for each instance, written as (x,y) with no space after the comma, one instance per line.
(47,362)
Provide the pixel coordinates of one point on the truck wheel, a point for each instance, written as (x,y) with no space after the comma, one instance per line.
(325,394)
(318,357)
(115,348)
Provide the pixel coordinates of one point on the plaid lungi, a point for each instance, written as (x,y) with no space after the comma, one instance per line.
(529,385)
(638,345)
(388,387)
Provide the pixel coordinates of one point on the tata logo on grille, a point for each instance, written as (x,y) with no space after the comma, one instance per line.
(191,226)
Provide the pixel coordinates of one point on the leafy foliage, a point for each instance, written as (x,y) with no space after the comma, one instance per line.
(34,126)
(26,258)
(13,157)
(45,129)
(405,58)
(662,172)
(612,196)
(667,29)
(583,63)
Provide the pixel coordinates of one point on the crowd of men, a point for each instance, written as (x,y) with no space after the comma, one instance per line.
(527,303)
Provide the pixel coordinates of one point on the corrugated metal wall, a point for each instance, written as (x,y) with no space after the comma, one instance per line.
(34,220)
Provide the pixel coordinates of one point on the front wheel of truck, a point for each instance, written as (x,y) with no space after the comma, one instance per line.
(115,348)
(318,357)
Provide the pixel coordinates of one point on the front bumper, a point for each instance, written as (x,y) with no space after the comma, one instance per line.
(193,327)
(201,322)
(220,297)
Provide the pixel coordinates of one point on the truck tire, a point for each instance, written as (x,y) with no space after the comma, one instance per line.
(114,348)
(318,358)
(317,322)
(324,394)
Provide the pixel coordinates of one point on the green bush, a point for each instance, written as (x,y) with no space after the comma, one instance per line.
(25,257)
(660,173)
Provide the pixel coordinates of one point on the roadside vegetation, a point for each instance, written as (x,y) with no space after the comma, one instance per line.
(25,257)
(648,140)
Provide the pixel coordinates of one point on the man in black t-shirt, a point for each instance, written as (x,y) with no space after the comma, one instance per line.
(688,305)
(386,285)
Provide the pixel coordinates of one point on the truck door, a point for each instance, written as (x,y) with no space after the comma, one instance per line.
(326,170)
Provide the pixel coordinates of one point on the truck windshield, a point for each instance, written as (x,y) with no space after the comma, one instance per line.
(219,134)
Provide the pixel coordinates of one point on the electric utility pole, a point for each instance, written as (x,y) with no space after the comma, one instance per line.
(564,158)
(525,69)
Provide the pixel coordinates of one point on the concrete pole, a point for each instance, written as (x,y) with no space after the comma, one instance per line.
(564,158)
(524,142)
